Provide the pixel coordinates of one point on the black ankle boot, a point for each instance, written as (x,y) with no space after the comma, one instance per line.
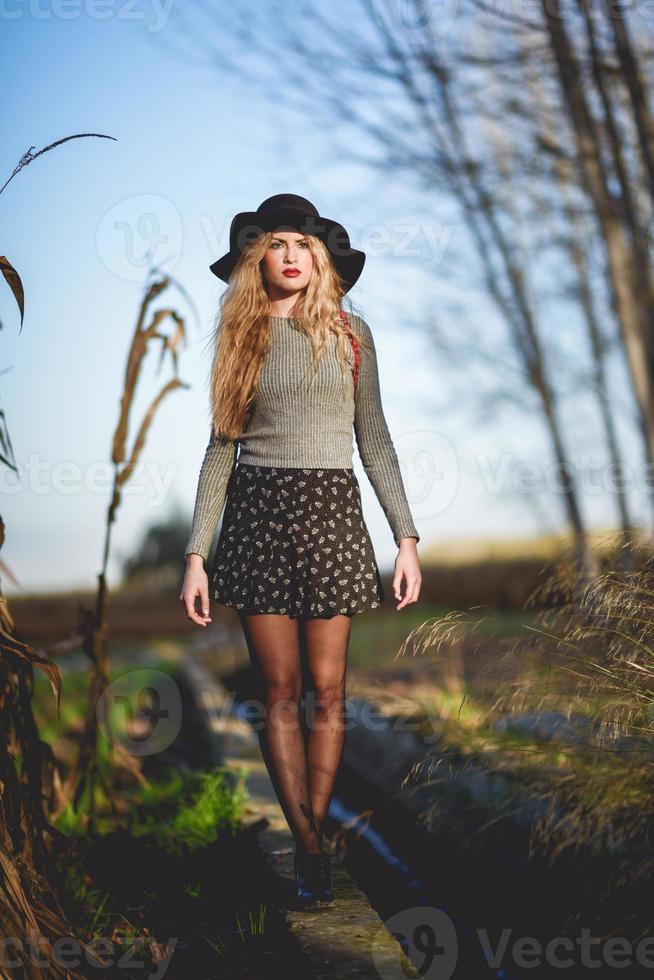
(313,880)
(324,882)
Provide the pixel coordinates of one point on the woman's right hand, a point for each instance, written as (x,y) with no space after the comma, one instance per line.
(196,583)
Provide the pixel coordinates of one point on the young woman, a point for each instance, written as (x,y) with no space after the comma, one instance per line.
(291,377)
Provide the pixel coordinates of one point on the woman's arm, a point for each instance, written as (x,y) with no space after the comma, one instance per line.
(374,442)
(216,469)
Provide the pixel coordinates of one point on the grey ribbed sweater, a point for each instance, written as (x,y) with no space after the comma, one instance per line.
(298,419)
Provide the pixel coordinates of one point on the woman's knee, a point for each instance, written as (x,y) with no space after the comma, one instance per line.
(277,690)
(328,694)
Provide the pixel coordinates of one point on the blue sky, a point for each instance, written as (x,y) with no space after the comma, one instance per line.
(191,148)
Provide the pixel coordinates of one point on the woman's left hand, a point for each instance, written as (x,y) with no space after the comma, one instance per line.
(407,569)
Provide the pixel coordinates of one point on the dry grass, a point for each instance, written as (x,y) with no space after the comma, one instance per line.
(589,660)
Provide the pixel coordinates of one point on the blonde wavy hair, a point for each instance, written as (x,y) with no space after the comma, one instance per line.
(242,334)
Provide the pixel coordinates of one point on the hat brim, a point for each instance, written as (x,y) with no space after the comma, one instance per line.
(348,261)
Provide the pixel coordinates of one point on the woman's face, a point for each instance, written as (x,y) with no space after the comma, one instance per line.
(287,263)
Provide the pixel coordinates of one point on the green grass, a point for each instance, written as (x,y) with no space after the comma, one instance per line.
(377,636)
(255,927)
(183,813)
(216,807)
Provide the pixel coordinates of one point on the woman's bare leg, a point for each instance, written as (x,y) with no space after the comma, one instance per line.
(274,646)
(326,642)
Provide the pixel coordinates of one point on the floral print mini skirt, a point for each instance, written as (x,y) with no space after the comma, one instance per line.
(293,541)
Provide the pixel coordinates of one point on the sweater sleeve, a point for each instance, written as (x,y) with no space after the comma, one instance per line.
(216,469)
(374,442)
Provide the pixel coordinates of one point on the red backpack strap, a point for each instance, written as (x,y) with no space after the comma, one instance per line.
(355,346)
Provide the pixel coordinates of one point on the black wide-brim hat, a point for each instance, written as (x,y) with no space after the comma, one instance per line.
(291,212)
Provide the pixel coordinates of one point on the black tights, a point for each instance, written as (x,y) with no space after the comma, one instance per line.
(302,774)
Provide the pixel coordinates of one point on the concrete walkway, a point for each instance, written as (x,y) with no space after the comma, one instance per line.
(347,939)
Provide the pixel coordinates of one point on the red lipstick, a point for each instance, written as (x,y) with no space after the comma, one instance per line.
(291,272)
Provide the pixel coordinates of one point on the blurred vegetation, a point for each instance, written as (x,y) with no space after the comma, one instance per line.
(154,564)
(556,722)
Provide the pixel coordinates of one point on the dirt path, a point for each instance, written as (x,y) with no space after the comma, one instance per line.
(348,939)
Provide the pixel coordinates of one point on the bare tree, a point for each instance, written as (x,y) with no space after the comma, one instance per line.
(631,282)
(632,75)
(575,239)
(411,89)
